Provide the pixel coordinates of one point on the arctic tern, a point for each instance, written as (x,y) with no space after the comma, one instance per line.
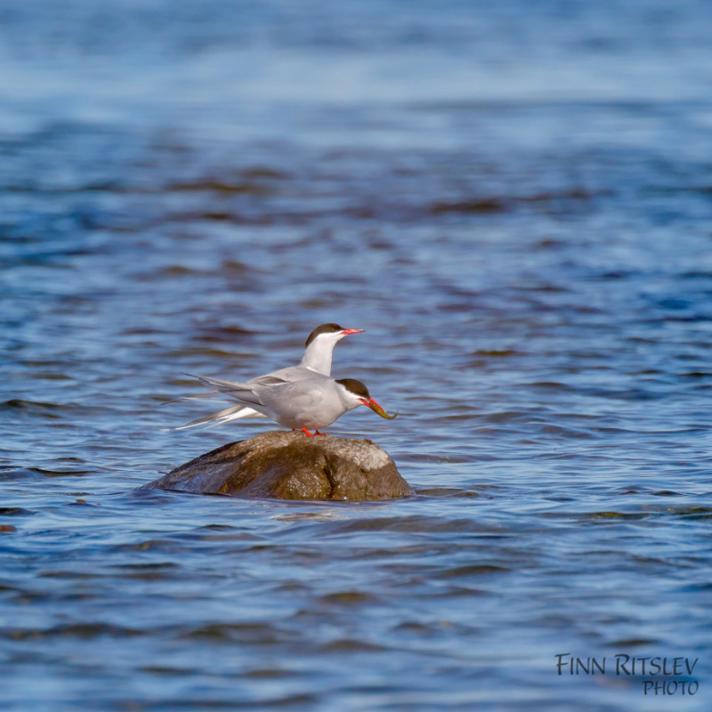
(297,400)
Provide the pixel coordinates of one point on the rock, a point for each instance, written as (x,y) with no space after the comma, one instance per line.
(287,465)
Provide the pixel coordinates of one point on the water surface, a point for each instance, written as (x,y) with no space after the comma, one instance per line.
(514,201)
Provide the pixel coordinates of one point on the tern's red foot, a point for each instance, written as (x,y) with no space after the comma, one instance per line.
(307,433)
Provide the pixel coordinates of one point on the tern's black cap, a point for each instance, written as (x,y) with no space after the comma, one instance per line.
(356,387)
(322,329)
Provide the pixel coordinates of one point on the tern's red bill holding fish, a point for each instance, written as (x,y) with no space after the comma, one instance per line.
(310,402)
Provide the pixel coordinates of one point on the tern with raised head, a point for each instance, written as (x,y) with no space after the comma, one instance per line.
(318,353)
(319,346)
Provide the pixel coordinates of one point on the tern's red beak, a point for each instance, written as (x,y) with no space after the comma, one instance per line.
(373,404)
(346,332)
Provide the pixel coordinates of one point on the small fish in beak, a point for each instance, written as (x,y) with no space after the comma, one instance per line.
(375,406)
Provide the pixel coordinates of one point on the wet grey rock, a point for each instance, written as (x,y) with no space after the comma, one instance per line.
(287,465)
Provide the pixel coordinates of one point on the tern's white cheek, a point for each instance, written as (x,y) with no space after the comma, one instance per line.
(357,401)
(326,340)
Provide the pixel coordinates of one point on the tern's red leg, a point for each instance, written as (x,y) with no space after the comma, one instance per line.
(305,430)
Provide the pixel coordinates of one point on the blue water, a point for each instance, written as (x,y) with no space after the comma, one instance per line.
(514,201)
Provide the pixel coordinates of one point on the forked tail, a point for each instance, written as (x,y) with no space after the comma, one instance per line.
(234,412)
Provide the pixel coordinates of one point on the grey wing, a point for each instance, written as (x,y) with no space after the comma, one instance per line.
(282,376)
(294,399)
(241,392)
(268,380)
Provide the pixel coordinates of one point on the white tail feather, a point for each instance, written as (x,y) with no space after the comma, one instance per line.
(240,392)
(246,412)
(234,412)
